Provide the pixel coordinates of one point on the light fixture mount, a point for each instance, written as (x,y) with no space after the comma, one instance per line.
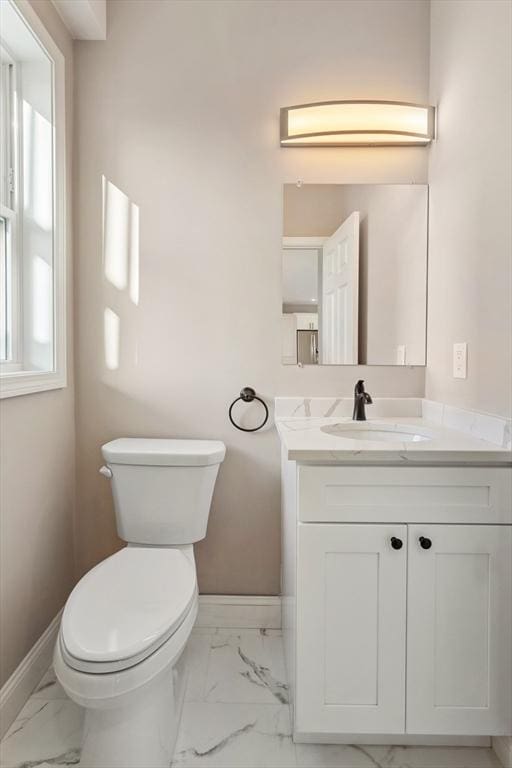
(359,123)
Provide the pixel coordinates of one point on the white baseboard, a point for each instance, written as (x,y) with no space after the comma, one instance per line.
(502,746)
(241,611)
(17,689)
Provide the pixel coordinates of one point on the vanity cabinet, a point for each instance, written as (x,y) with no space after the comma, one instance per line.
(402,617)
(380,615)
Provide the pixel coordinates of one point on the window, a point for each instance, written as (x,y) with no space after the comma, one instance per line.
(32,245)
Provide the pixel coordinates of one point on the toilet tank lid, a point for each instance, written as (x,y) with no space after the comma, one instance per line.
(164,452)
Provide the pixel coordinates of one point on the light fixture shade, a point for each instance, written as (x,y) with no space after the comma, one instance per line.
(357,124)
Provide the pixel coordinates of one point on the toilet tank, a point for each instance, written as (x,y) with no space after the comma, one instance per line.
(162,488)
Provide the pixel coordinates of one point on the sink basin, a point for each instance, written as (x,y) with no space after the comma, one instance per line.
(394,433)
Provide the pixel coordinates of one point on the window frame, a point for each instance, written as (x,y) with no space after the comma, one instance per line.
(14,379)
(10,212)
(14,307)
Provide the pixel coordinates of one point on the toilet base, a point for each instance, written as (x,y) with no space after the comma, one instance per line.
(141,733)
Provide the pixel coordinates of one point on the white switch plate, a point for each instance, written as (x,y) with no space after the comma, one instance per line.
(400,354)
(460,360)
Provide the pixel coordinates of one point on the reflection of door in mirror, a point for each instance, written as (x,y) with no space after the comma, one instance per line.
(340,294)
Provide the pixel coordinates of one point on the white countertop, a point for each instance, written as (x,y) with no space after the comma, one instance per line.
(303,441)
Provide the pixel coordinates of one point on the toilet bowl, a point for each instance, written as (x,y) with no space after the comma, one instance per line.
(125,626)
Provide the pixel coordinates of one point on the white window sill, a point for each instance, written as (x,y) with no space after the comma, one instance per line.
(15,383)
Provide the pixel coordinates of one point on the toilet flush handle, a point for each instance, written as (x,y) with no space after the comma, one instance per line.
(106,472)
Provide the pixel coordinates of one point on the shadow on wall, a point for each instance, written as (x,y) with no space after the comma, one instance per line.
(120,267)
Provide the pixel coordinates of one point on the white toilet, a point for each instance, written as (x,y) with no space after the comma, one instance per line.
(126,623)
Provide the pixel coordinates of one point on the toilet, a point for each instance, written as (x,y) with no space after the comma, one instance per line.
(119,653)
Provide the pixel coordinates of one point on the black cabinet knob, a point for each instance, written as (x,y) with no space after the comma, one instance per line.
(396,543)
(425,543)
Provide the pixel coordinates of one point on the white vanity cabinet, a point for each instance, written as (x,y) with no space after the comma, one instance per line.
(399,618)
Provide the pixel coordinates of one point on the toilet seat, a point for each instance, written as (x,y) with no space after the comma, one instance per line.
(126,607)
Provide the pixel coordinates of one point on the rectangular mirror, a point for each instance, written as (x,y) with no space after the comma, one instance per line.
(354,272)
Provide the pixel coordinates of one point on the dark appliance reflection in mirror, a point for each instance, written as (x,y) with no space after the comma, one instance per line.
(307,347)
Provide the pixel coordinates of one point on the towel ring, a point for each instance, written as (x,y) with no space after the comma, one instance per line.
(247,395)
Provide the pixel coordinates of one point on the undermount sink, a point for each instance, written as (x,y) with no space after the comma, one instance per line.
(394,433)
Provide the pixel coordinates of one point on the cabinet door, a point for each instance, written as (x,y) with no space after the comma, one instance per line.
(459,630)
(351,620)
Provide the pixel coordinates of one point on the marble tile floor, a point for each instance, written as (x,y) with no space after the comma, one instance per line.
(236,715)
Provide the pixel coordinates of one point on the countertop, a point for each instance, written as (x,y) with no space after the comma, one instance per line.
(303,441)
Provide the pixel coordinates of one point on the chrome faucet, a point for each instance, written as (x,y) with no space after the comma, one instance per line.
(360,399)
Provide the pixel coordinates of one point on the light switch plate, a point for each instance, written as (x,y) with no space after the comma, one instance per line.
(400,354)
(460,360)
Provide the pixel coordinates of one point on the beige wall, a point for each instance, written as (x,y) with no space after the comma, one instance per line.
(470,204)
(38,474)
(179,109)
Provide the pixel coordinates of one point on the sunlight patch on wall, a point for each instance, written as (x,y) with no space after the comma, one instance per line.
(121,265)
(116,221)
(134,253)
(120,240)
(111,336)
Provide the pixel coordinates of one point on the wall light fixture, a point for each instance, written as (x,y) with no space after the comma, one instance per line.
(357,124)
